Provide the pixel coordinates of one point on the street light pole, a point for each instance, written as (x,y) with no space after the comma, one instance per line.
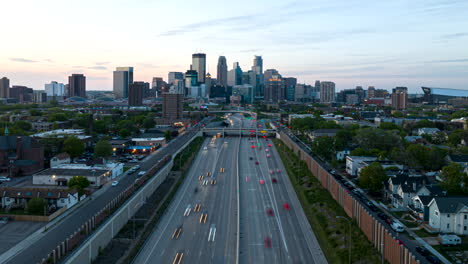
(349,243)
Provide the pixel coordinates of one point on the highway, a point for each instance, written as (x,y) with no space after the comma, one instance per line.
(58,233)
(179,238)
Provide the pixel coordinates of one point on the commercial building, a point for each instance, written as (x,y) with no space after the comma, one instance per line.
(302,93)
(327,92)
(222,72)
(4,87)
(208,85)
(290,88)
(245,91)
(172,76)
(39,97)
(173,106)
(199,65)
(123,77)
(20,155)
(191,79)
(257,69)
(444,95)
(135,93)
(22,94)
(77,84)
(158,86)
(55,89)
(235,75)
(274,89)
(399,98)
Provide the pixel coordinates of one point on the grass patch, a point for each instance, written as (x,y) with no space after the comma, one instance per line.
(126,168)
(321,211)
(423,233)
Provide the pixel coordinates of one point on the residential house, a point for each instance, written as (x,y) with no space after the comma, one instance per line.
(459,159)
(18,197)
(421,206)
(449,214)
(62,158)
(428,131)
(341,155)
(353,163)
(20,155)
(414,139)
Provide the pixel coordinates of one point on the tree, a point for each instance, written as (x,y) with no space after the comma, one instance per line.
(35,112)
(57,117)
(100,126)
(103,149)
(74,147)
(456,137)
(376,138)
(36,206)
(343,138)
(324,147)
(149,123)
(124,133)
(397,114)
(167,135)
(454,180)
(79,183)
(372,177)
(388,126)
(23,125)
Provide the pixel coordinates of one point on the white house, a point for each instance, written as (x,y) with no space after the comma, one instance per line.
(341,155)
(17,197)
(353,163)
(427,131)
(449,214)
(62,158)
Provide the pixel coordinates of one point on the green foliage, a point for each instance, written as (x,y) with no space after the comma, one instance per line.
(389,126)
(36,206)
(149,123)
(82,120)
(103,149)
(124,133)
(424,123)
(419,156)
(23,125)
(343,138)
(398,114)
(457,136)
(100,126)
(35,112)
(167,135)
(79,183)
(454,180)
(324,147)
(372,177)
(460,114)
(376,138)
(74,147)
(57,117)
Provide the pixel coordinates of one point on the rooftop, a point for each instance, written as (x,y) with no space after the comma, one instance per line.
(58,132)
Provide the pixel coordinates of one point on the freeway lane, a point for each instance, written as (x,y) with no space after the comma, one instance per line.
(217,201)
(39,249)
(292,238)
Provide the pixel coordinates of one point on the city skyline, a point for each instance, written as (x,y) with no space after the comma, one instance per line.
(362,43)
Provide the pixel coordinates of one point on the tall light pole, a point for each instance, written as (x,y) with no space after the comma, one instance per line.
(349,238)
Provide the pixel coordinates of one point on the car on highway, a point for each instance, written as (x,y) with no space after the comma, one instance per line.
(269,212)
(268,155)
(278,170)
(250,158)
(115,183)
(195,190)
(433,259)
(267,242)
(256,163)
(262,181)
(4,179)
(274,180)
(286,206)
(422,251)
(213,181)
(177,232)
(271,172)
(270,145)
(266,150)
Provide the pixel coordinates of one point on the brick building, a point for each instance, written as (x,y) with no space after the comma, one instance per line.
(20,155)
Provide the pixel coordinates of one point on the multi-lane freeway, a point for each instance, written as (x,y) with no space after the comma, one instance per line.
(250,214)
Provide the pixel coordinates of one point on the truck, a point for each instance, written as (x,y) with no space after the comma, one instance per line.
(449,240)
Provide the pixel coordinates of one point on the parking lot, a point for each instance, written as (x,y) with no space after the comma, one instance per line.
(15,231)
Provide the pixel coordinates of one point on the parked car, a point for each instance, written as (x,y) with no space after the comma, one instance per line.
(115,183)
(422,251)
(4,179)
(397,227)
(4,219)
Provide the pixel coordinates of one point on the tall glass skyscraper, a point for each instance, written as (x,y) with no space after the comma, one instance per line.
(222,71)
(199,65)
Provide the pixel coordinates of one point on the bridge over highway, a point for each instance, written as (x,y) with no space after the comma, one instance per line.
(238,132)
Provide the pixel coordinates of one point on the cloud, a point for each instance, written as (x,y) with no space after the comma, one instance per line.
(147,65)
(102,63)
(205,24)
(49,60)
(98,68)
(22,60)
(455,35)
(448,61)
(250,50)
(77,67)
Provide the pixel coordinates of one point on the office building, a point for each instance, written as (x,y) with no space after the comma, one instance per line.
(122,81)
(274,89)
(173,106)
(39,97)
(77,84)
(222,71)
(4,87)
(302,93)
(158,86)
(290,88)
(235,75)
(22,94)
(135,93)
(199,65)
(172,76)
(327,92)
(55,89)
(443,95)
(208,84)
(399,98)
(245,91)
(191,78)
(129,70)
(360,93)
(258,82)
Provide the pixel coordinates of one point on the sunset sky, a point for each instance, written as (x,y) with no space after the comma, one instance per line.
(382,43)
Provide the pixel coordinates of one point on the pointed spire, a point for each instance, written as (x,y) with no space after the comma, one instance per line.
(6,132)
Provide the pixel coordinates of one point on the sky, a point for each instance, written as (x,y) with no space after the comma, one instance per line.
(385,44)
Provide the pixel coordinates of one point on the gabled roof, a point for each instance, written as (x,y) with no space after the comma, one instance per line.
(449,205)
(425,199)
(459,158)
(17,192)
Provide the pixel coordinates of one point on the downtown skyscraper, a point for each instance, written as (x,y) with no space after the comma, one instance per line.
(199,65)
(257,69)
(123,77)
(222,71)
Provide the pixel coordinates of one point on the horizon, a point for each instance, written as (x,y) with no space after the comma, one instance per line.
(363,43)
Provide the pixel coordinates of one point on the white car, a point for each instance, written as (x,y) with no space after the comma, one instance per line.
(4,179)
(141,173)
(115,183)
